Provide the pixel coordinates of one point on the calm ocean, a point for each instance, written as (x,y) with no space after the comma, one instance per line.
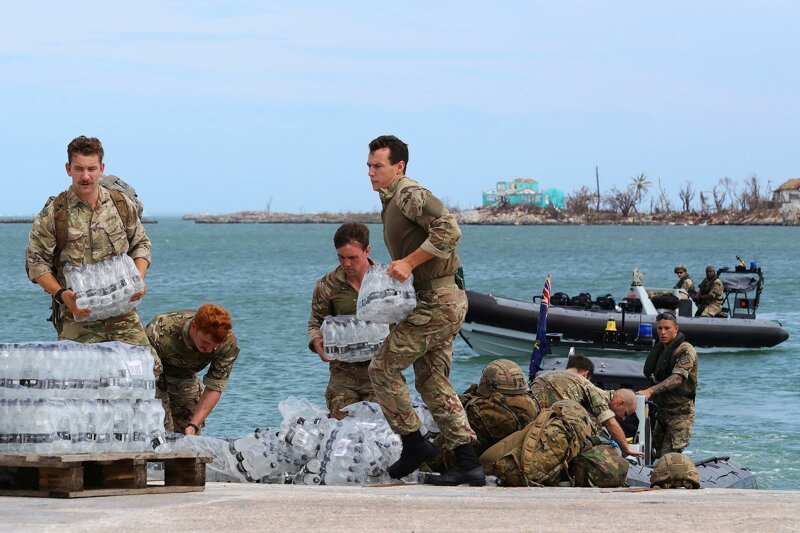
(747,400)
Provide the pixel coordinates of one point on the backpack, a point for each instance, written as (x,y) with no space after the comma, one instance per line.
(539,454)
(498,416)
(492,419)
(115,183)
(599,466)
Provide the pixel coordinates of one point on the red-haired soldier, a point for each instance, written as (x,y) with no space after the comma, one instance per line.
(187,342)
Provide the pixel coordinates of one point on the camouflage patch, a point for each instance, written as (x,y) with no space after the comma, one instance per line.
(674,429)
(424,340)
(183,397)
(349,383)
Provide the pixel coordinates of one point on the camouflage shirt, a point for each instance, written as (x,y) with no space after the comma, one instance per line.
(332,296)
(568,385)
(714,288)
(92,235)
(169,335)
(414,218)
(686,283)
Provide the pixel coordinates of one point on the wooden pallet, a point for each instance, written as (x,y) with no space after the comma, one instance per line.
(84,475)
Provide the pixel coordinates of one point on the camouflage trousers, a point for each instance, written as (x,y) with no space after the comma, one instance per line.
(424,339)
(712,309)
(125,328)
(349,383)
(674,429)
(181,399)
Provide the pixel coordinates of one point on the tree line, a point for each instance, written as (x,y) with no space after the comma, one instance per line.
(727,196)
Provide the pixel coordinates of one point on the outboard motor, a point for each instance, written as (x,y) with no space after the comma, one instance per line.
(606,303)
(584,300)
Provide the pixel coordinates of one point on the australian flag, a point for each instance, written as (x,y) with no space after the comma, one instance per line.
(541,347)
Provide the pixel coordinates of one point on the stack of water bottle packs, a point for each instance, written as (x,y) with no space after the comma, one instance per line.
(346,338)
(308,448)
(383,299)
(105,287)
(68,397)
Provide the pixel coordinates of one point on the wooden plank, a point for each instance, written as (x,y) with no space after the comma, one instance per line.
(68,479)
(54,460)
(100,474)
(184,472)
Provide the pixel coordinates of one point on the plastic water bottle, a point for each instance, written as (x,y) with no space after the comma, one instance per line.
(122,425)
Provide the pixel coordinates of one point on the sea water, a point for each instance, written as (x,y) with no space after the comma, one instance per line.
(265,274)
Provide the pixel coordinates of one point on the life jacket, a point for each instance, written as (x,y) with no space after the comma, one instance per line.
(660,363)
(538,454)
(599,466)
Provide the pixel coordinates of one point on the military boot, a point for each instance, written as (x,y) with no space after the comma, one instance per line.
(416,450)
(468,469)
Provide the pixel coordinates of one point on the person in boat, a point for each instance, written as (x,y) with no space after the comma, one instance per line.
(187,342)
(421,237)
(711,294)
(672,365)
(336,294)
(573,384)
(685,282)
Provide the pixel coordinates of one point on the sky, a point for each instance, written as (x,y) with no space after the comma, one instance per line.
(215,107)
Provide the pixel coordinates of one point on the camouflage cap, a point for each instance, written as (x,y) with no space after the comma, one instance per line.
(673,471)
(502,376)
(680,268)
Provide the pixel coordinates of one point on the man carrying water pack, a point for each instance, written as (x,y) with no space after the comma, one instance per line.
(336,294)
(672,364)
(421,236)
(187,342)
(86,224)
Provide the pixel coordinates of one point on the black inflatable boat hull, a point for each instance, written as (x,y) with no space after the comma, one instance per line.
(581,324)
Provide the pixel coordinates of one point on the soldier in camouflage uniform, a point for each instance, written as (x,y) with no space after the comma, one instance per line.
(685,281)
(421,236)
(499,405)
(711,294)
(336,294)
(98,225)
(187,342)
(550,387)
(672,365)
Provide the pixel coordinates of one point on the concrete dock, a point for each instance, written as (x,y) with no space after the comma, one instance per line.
(252,507)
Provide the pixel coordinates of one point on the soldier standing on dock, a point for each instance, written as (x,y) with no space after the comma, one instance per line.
(87,224)
(421,236)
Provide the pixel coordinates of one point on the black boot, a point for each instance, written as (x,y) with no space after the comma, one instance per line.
(468,469)
(416,450)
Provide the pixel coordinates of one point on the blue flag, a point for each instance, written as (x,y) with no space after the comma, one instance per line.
(540,346)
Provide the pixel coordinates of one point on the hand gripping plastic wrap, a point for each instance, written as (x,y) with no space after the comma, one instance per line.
(105,287)
(383,299)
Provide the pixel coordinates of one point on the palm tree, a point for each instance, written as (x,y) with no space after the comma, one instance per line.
(641,184)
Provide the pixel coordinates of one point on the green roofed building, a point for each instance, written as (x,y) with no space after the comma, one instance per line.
(523,191)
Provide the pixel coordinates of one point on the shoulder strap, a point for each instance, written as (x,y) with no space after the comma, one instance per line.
(122,205)
(60,218)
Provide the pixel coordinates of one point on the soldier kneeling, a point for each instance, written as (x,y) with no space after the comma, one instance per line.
(496,407)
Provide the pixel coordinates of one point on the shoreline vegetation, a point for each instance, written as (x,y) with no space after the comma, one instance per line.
(728,203)
(521,216)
